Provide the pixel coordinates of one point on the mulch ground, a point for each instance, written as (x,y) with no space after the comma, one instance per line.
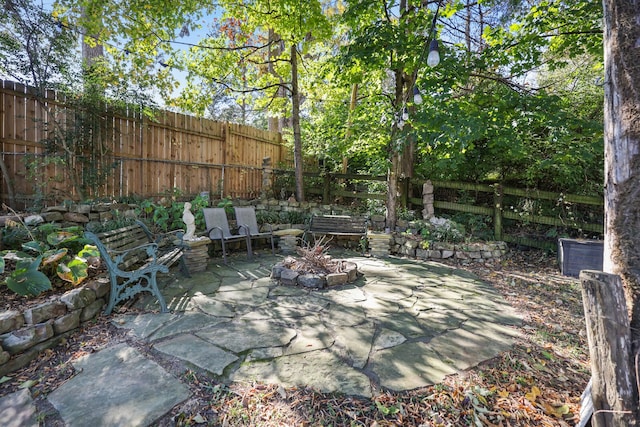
(537,383)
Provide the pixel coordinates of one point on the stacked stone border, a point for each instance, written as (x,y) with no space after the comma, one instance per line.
(24,335)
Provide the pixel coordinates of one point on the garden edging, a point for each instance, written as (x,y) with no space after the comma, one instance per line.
(23,335)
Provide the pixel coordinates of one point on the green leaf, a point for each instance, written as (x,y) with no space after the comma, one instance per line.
(89,251)
(28,384)
(74,272)
(53,256)
(27,280)
(60,237)
(33,247)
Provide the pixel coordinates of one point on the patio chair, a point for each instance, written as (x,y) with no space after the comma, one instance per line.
(247,224)
(218,229)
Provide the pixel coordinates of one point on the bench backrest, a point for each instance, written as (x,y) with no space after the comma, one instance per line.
(338,224)
(121,239)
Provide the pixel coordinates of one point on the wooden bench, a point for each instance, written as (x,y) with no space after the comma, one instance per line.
(337,225)
(134,256)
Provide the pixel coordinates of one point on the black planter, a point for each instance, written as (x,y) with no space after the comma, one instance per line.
(577,254)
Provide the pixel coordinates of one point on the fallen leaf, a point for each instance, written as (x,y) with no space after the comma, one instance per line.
(503,393)
(558,411)
(533,394)
(28,384)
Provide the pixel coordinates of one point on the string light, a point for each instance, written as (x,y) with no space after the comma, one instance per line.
(433,58)
(417,97)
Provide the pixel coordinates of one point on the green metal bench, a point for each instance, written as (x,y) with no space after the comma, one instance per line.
(134,256)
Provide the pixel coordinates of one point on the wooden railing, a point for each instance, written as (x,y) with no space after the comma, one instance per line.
(506,207)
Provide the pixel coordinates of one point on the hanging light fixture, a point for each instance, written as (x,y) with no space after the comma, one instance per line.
(417,96)
(405,114)
(434,55)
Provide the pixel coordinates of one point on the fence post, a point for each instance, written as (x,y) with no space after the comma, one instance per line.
(267,176)
(609,338)
(427,200)
(497,211)
(326,188)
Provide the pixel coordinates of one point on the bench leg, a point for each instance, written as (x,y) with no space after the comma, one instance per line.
(156,292)
(130,288)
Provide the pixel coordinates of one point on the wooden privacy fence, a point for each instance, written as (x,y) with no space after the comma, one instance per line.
(501,205)
(148,155)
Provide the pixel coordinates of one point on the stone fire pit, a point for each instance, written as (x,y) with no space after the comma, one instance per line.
(299,272)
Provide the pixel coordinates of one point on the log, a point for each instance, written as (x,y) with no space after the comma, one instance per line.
(609,337)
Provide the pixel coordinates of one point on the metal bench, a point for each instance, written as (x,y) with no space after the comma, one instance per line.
(134,256)
(337,225)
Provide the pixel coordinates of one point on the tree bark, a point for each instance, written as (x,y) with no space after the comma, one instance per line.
(622,145)
(622,163)
(295,121)
(609,337)
(275,50)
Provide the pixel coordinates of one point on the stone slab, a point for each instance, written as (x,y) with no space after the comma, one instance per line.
(187,323)
(321,370)
(354,343)
(17,410)
(211,306)
(241,336)
(143,325)
(198,352)
(410,366)
(115,387)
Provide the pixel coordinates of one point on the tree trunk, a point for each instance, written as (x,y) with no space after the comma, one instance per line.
(394,155)
(295,121)
(352,106)
(609,337)
(275,49)
(622,163)
(622,145)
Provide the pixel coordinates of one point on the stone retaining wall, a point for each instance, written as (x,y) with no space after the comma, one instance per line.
(463,252)
(24,335)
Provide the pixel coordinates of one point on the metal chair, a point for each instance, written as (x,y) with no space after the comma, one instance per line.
(218,229)
(248,225)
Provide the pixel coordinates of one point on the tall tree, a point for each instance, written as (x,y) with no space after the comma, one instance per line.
(622,160)
(269,40)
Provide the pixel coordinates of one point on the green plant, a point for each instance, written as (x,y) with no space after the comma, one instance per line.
(267,217)
(165,217)
(442,230)
(293,217)
(227,205)
(61,253)
(477,226)
(406,214)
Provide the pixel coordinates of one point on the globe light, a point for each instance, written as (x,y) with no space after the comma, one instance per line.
(434,56)
(405,114)
(417,97)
